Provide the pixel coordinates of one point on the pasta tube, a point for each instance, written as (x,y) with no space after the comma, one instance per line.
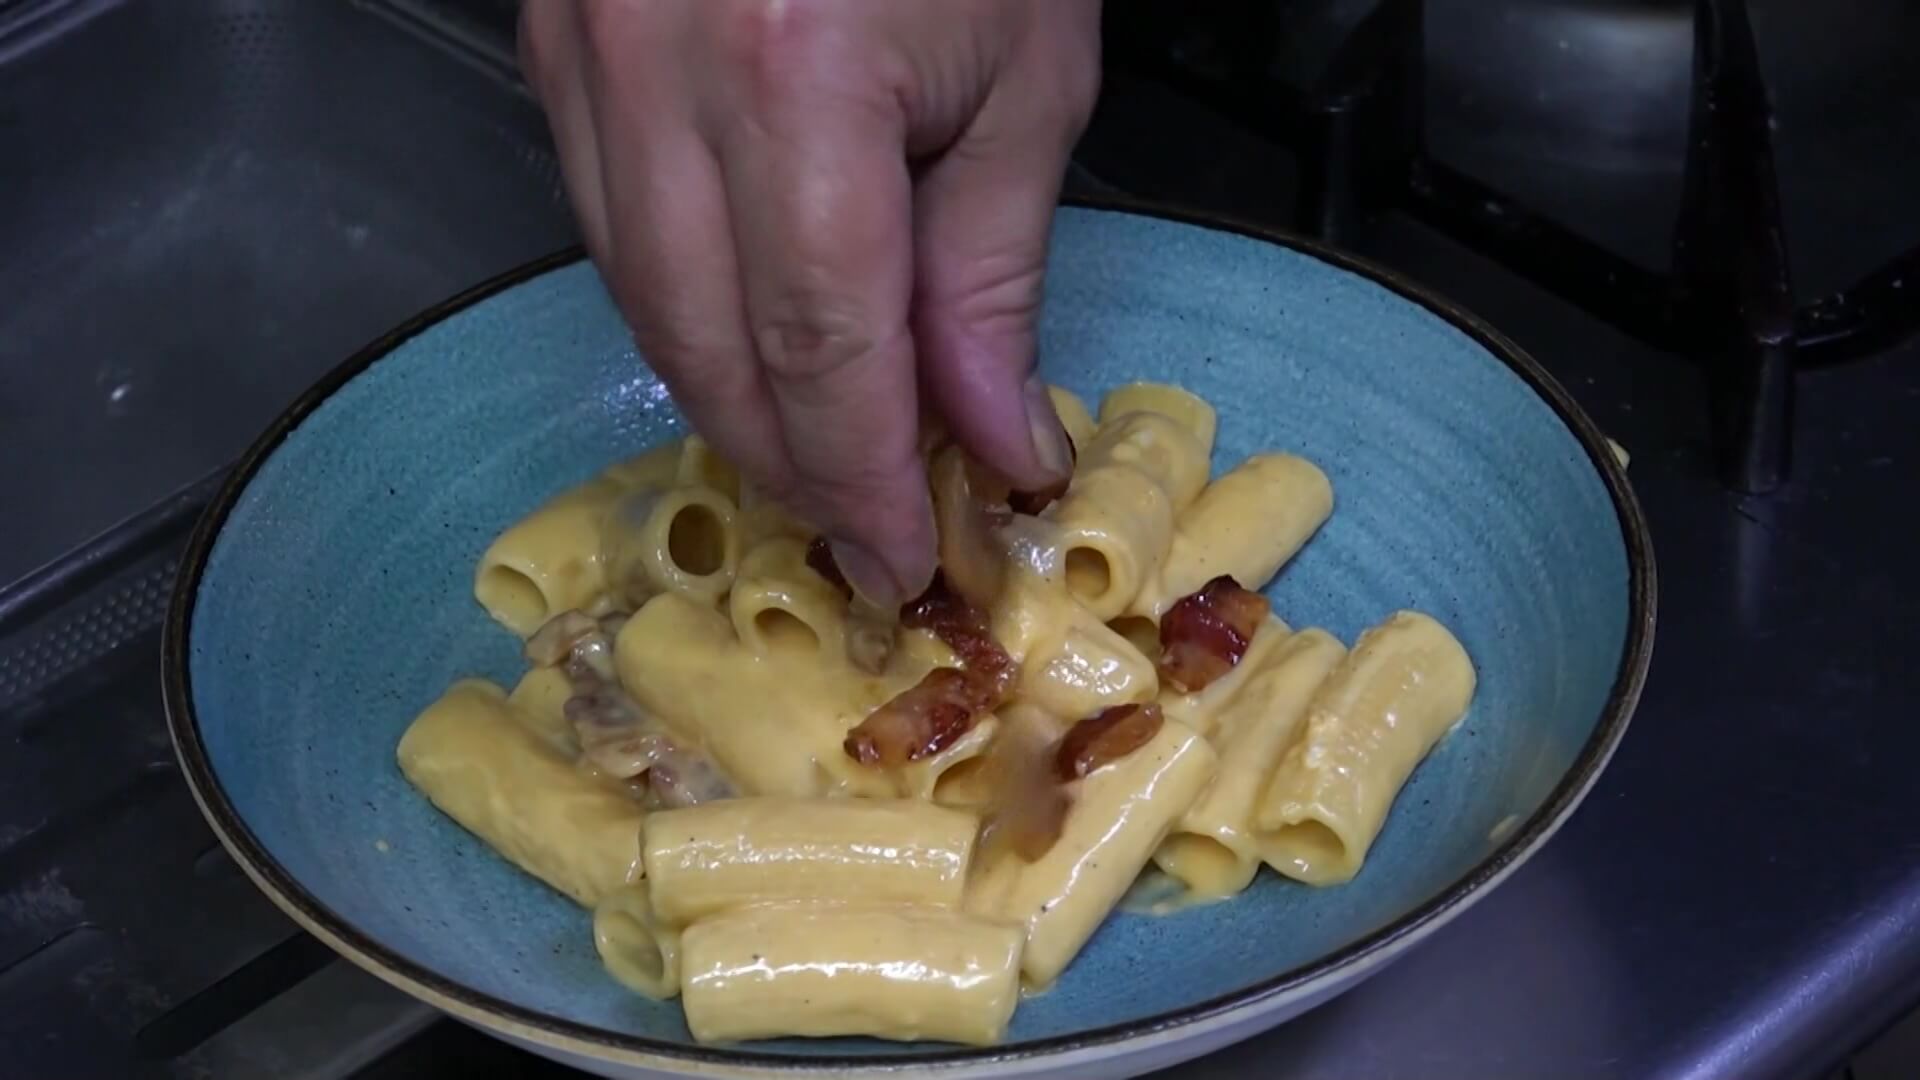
(539,701)
(502,782)
(1215,849)
(684,540)
(1085,667)
(885,971)
(1120,814)
(1404,685)
(743,851)
(1115,525)
(1246,524)
(549,561)
(920,779)
(637,949)
(779,605)
(774,727)
(1189,410)
(1157,446)
(700,465)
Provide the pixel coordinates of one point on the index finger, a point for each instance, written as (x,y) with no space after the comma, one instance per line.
(823,228)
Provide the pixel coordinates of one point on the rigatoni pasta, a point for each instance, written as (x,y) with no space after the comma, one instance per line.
(488,771)
(636,946)
(549,562)
(888,971)
(1406,683)
(1245,525)
(685,539)
(1215,848)
(779,605)
(1115,525)
(734,852)
(1120,815)
(799,814)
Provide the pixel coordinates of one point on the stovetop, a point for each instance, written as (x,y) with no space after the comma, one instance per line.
(1740,895)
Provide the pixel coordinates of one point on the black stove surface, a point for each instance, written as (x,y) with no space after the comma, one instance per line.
(1739,896)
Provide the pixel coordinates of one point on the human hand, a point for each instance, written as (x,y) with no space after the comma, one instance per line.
(818,214)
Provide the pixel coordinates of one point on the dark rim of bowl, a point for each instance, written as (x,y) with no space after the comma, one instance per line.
(1623,697)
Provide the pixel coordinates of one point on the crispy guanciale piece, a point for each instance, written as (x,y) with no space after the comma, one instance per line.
(1204,635)
(920,721)
(965,628)
(1105,737)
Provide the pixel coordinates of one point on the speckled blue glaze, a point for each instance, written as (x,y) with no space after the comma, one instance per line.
(336,601)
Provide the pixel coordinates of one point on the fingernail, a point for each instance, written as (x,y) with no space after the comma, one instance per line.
(868,574)
(1050,444)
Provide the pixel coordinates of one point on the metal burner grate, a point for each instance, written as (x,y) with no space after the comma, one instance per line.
(1728,302)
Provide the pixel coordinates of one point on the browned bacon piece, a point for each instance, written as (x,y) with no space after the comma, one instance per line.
(1204,635)
(943,706)
(1105,737)
(943,611)
(921,721)
(964,628)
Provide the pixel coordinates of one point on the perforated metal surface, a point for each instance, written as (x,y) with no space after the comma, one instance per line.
(84,633)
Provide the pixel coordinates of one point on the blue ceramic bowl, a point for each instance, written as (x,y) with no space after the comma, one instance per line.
(327,599)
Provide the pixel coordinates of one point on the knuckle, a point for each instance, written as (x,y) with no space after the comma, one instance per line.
(809,338)
(762,37)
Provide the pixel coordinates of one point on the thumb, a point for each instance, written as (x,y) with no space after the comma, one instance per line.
(982,213)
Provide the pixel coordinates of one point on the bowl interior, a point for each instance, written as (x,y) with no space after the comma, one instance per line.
(336,601)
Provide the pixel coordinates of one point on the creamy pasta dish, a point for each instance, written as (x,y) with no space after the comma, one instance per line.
(802,815)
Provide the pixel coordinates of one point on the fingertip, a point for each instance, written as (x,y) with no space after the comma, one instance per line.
(1052,451)
(888,556)
(978,383)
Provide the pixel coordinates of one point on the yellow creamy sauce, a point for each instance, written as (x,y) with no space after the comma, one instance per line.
(835,898)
